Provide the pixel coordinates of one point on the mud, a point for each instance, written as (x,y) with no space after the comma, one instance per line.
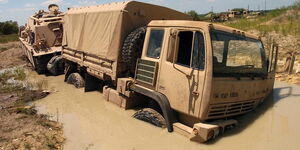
(12,55)
(92,123)
(20,126)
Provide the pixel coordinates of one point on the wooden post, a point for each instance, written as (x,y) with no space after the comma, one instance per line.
(291,65)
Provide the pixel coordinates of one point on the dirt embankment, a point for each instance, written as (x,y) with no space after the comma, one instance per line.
(20,125)
(287,44)
(11,55)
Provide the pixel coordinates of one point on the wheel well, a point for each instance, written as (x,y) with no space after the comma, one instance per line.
(148,102)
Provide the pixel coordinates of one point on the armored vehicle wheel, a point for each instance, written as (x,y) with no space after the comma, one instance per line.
(152,116)
(56,65)
(39,68)
(76,79)
(132,48)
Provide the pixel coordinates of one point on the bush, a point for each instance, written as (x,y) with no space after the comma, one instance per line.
(9,27)
(194,14)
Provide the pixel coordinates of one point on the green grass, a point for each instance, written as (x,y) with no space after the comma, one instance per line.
(16,74)
(8,38)
(2,49)
(286,25)
(8,88)
(27,111)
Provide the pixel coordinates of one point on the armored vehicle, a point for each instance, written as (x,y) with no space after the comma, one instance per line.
(41,40)
(189,76)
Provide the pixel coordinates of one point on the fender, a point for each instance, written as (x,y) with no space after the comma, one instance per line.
(163,102)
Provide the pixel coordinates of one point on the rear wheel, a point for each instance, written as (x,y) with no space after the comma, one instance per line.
(132,49)
(56,65)
(151,116)
(76,79)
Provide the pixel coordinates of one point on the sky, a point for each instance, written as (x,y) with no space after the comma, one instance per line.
(20,10)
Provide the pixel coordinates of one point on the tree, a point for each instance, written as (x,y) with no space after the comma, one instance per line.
(9,27)
(194,14)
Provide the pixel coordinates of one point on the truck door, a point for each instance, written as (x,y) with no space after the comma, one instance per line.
(182,70)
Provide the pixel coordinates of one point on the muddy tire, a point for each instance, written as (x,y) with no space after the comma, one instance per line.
(132,49)
(39,67)
(76,79)
(56,65)
(151,116)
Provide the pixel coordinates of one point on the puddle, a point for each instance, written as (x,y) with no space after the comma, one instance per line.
(92,123)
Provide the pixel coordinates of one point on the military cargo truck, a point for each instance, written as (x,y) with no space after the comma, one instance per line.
(189,76)
(41,40)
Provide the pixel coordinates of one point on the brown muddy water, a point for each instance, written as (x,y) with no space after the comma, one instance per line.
(95,124)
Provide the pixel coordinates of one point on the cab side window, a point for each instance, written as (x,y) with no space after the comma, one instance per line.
(191,49)
(155,43)
(185,48)
(198,52)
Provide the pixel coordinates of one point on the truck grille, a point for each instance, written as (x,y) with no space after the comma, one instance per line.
(231,109)
(146,71)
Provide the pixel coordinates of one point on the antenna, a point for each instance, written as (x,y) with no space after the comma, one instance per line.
(265,5)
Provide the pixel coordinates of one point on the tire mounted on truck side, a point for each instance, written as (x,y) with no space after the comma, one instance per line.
(132,49)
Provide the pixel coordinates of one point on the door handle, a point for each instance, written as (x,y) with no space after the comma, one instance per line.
(195,93)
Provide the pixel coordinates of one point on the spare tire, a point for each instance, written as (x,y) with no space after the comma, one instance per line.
(56,65)
(132,49)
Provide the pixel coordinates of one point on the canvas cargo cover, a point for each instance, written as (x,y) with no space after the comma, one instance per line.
(100,30)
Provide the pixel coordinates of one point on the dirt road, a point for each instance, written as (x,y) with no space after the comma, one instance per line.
(92,123)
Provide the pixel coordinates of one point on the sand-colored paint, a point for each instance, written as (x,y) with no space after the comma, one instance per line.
(92,123)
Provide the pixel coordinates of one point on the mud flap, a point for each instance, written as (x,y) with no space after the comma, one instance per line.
(91,83)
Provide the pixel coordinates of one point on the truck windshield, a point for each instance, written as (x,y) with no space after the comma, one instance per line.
(235,55)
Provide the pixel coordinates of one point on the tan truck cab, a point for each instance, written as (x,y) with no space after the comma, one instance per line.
(205,71)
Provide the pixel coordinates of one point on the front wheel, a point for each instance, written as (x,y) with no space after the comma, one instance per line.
(151,116)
